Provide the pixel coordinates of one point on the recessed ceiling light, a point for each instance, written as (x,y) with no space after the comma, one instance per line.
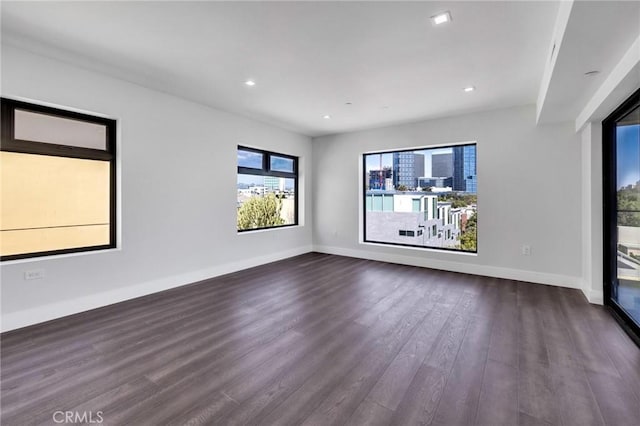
(326,117)
(590,73)
(250,83)
(469,88)
(441,18)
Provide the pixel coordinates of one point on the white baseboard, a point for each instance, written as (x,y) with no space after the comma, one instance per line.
(594,296)
(19,319)
(15,320)
(467,268)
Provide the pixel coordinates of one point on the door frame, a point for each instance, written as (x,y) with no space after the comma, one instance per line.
(609,198)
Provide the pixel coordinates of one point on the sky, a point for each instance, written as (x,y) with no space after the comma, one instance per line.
(373,160)
(628,153)
(254,160)
(251,179)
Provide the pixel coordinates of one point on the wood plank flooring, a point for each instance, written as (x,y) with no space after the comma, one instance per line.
(328,340)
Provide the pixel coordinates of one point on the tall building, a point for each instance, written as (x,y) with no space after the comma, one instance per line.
(464,169)
(407,167)
(442,165)
(272,183)
(439,182)
(380,179)
(388,184)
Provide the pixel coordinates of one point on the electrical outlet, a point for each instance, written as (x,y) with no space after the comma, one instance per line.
(34,274)
(526,250)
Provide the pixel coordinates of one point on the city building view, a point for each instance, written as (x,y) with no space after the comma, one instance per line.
(272,197)
(423,198)
(627,289)
(266,189)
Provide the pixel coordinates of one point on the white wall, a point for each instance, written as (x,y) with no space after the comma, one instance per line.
(178,194)
(529,192)
(621,83)
(592,237)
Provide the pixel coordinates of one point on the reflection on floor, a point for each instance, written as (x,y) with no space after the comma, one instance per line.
(629,298)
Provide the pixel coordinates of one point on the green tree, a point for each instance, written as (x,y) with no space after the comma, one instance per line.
(468,239)
(402,188)
(629,199)
(458,200)
(260,212)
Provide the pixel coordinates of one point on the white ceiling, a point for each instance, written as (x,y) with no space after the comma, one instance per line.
(307,58)
(597,35)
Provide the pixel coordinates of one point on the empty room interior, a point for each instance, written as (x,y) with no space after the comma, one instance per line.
(320,213)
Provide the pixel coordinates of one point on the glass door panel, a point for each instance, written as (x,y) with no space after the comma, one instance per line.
(625,288)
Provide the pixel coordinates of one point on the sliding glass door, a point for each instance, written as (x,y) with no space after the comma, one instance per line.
(621,153)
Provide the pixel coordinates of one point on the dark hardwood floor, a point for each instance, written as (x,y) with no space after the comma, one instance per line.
(319,340)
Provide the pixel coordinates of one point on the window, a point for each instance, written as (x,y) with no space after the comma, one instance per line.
(379,202)
(58,181)
(267,189)
(446,206)
(621,196)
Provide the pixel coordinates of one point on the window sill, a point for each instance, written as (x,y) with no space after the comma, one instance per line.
(59,256)
(421,249)
(275,228)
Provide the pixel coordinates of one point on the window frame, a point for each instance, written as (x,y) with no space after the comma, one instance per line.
(363,211)
(266,171)
(609,214)
(10,144)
